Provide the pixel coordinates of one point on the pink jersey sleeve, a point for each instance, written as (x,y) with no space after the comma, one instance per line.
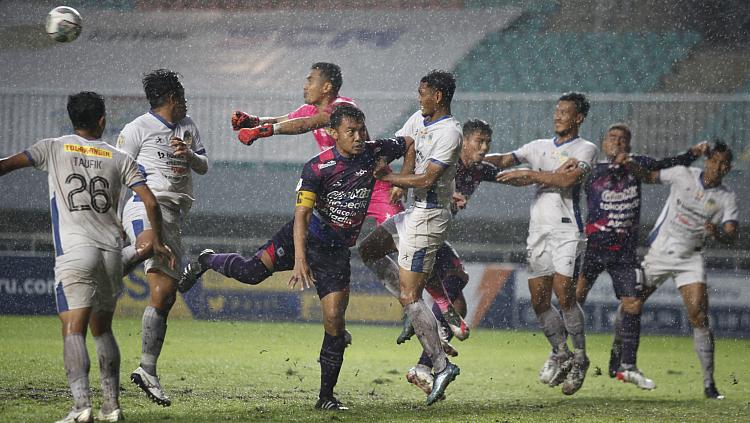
(305,110)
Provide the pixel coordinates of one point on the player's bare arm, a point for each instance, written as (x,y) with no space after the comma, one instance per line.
(502,161)
(422,180)
(524,177)
(14,162)
(302,214)
(197,162)
(410,158)
(153,211)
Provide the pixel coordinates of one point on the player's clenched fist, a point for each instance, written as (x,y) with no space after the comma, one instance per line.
(248,135)
(243,120)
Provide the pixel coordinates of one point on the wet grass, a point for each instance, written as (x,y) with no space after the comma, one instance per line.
(231,371)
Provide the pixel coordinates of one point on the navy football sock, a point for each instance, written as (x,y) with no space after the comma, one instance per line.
(250,271)
(331,359)
(630,333)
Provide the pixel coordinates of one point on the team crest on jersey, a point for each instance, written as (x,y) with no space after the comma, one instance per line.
(711,203)
(327,164)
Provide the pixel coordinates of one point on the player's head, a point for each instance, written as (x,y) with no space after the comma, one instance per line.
(87,112)
(572,108)
(719,161)
(616,140)
(165,91)
(347,127)
(323,81)
(436,91)
(477,140)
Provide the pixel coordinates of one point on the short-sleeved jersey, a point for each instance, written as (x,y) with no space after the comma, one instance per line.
(689,206)
(436,142)
(322,137)
(85,179)
(147,140)
(613,195)
(556,208)
(343,187)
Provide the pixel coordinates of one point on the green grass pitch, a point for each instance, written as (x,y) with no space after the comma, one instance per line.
(254,371)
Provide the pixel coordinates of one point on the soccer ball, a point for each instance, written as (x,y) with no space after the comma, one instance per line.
(63,24)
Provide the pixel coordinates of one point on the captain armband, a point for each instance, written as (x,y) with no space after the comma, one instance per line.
(306,199)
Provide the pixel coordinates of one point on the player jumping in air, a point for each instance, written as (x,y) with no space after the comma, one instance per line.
(422,228)
(167,146)
(556,235)
(448,272)
(699,206)
(332,201)
(614,201)
(85,178)
(321,92)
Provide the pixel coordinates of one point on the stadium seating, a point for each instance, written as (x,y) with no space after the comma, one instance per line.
(523,60)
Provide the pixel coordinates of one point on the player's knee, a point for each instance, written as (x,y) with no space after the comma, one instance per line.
(698,318)
(632,305)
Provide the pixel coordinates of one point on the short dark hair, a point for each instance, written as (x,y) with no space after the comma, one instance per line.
(476,125)
(622,127)
(331,72)
(85,109)
(443,81)
(582,104)
(719,146)
(345,111)
(159,84)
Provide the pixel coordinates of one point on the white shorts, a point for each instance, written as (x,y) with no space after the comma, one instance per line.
(658,266)
(549,252)
(418,233)
(135,220)
(88,277)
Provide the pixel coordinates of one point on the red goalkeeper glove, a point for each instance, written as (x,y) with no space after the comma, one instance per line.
(243,120)
(248,135)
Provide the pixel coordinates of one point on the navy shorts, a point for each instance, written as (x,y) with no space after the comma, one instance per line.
(329,264)
(447,263)
(623,268)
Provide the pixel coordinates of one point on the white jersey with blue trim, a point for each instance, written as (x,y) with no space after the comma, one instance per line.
(435,142)
(147,140)
(680,226)
(85,180)
(557,208)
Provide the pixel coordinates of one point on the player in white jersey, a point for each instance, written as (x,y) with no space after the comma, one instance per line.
(699,206)
(167,146)
(85,178)
(556,235)
(423,227)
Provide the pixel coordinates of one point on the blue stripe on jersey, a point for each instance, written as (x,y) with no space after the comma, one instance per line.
(142,170)
(577,206)
(655,231)
(55,226)
(137,226)
(426,123)
(417,262)
(60,300)
(439,163)
(201,152)
(137,198)
(162,120)
(31,159)
(554,141)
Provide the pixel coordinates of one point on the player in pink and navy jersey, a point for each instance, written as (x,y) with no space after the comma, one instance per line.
(321,91)
(332,200)
(614,202)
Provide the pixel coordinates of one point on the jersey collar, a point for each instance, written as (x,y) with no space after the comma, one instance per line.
(554,141)
(162,120)
(426,123)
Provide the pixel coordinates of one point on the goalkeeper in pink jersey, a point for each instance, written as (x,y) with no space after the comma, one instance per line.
(321,91)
